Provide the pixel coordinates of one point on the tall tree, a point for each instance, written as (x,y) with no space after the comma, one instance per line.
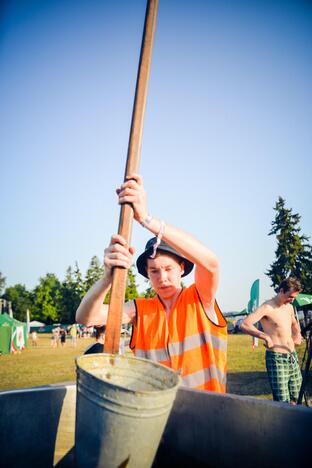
(47,299)
(21,300)
(94,272)
(78,281)
(2,283)
(131,289)
(70,297)
(293,253)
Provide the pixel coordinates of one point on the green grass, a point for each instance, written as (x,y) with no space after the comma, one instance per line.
(41,365)
(44,365)
(246,368)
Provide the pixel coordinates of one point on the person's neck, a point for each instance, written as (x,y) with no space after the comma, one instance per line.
(168,303)
(278,300)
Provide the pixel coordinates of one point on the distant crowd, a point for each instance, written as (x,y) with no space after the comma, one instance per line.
(60,335)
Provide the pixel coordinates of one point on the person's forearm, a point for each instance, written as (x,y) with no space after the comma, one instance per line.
(90,310)
(253,331)
(184,243)
(297,337)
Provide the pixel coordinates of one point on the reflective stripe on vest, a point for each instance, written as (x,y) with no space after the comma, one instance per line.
(203,376)
(158,355)
(176,349)
(195,341)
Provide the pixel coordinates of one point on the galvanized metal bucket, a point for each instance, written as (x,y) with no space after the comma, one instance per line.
(123,404)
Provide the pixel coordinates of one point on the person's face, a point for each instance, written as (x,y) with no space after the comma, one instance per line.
(165,274)
(289,296)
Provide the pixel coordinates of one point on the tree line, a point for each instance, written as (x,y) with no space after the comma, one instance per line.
(53,300)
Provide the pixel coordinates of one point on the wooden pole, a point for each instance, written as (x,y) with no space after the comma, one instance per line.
(114,320)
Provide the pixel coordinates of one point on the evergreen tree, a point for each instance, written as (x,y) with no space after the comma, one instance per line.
(78,281)
(94,272)
(70,297)
(293,253)
(131,289)
(2,283)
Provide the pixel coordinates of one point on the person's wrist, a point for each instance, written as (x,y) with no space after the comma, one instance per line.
(108,273)
(146,220)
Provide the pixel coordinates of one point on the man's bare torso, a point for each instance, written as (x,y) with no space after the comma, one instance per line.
(277,323)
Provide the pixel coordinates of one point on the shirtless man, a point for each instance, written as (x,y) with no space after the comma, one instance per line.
(182,328)
(280,333)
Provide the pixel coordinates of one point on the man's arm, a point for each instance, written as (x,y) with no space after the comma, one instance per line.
(91,310)
(248,325)
(295,329)
(207,265)
(205,261)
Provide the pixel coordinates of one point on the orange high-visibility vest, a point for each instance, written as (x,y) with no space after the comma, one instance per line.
(188,342)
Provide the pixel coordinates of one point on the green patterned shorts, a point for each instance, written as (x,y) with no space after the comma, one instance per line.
(284,375)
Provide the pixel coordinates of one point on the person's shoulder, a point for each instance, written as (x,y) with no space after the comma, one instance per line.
(266,308)
(191,289)
(191,292)
(95,348)
(268,305)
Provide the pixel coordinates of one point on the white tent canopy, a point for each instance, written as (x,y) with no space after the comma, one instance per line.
(35,323)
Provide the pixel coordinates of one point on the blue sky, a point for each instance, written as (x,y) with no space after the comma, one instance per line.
(227,129)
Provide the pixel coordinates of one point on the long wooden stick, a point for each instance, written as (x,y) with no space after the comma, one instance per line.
(114,320)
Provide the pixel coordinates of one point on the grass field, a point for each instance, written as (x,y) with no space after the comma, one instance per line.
(43,365)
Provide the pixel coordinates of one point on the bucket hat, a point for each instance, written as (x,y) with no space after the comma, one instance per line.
(164,247)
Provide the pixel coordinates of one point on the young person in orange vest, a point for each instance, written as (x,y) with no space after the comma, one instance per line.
(182,328)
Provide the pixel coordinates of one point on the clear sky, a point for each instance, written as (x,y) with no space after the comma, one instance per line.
(227,129)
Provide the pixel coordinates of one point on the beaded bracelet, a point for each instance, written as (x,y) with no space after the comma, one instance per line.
(158,239)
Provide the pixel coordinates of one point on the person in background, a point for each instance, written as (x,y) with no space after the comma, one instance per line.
(34,338)
(181,327)
(55,338)
(73,334)
(63,337)
(281,332)
(98,346)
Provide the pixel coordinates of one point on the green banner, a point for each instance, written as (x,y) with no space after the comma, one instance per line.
(253,303)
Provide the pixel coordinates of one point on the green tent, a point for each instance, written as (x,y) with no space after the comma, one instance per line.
(235,314)
(302,300)
(13,335)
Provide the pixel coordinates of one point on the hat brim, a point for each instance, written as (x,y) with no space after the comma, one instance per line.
(141,262)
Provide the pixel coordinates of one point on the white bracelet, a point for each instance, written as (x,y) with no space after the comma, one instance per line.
(147,221)
(158,239)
